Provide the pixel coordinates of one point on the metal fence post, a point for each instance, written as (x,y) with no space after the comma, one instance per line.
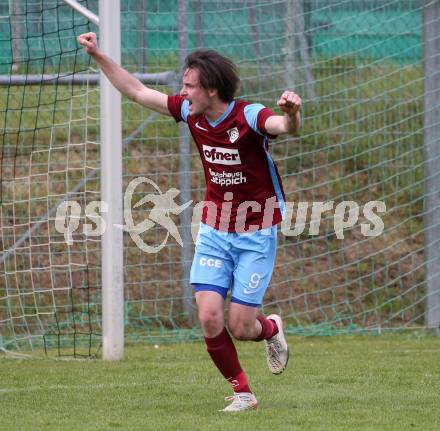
(185,180)
(431,63)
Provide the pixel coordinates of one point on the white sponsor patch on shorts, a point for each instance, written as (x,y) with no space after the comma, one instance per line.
(215,263)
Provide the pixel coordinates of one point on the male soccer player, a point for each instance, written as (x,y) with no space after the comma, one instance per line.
(236,245)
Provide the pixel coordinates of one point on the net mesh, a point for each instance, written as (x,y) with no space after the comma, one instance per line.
(358,67)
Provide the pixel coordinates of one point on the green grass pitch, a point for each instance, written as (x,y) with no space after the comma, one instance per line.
(388,382)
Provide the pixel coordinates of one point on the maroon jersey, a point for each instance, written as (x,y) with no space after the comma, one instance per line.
(243,187)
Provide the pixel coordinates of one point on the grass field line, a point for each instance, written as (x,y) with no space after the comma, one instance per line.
(70,387)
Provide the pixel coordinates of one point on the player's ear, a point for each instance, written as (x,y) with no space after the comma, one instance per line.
(212,92)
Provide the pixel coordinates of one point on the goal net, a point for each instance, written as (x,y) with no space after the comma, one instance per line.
(352,253)
(49,153)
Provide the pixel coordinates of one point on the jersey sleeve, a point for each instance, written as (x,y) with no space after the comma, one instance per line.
(178,107)
(256,115)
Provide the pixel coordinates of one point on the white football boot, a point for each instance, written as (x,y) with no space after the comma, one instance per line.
(241,401)
(277,351)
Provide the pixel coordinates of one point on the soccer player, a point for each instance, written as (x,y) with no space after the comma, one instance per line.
(236,244)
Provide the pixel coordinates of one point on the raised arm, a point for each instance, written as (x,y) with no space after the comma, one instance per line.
(125,82)
(290,122)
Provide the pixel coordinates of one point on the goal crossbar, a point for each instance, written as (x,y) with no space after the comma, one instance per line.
(93,18)
(162,78)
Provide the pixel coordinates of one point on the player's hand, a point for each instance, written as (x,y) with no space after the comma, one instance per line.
(290,103)
(89,42)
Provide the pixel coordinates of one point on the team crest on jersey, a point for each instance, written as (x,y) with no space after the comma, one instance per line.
(233,134)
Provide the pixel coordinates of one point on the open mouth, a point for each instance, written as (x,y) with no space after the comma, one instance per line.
(190,107)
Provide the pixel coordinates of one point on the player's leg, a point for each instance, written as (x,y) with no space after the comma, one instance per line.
(219,343)
(246,323)
(256,259)
(221,348)
(211,275)
(210,302)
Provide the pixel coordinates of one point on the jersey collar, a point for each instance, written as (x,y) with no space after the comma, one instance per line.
(216,122)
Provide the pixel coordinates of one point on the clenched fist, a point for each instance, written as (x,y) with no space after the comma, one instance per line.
(289,103)
(89,42)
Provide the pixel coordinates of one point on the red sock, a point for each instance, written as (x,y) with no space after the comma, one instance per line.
(268,328)
(224,355)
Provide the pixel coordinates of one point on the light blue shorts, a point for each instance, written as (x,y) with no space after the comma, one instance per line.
(241,262)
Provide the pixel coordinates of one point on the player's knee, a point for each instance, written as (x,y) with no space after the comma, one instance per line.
(211,321)
(240,330)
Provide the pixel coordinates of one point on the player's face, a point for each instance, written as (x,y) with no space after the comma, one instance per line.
(198,97)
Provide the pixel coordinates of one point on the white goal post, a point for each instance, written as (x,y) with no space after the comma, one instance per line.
(111,184)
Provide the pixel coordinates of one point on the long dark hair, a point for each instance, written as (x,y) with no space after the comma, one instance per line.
(216,72)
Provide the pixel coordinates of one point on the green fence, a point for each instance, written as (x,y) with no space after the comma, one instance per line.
(150,30)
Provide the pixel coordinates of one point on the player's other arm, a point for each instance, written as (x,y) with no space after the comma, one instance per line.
(125,82)
(290,122)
